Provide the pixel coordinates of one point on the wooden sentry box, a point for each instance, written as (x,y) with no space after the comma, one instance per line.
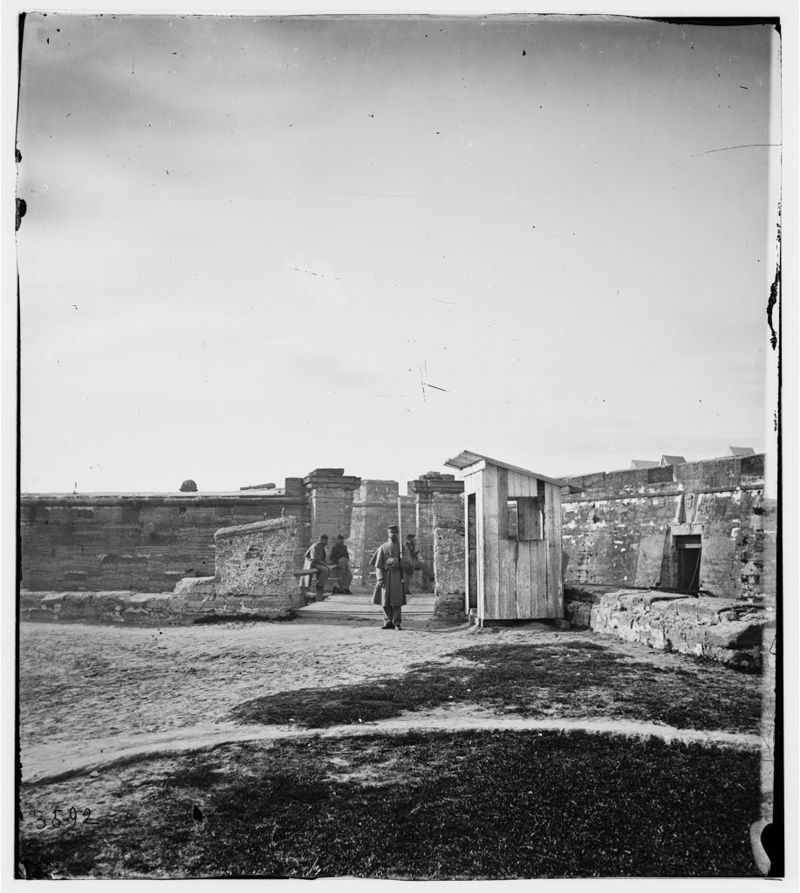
(512,525)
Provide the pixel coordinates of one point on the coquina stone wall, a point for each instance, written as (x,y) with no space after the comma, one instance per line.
(727,630)
(623,528)
(619,528)
(143,543)
(426,489)
(374,509)
(257,562)
(448,555)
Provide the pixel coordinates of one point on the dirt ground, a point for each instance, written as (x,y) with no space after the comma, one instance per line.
(102,688)
(105,712)
(79,681)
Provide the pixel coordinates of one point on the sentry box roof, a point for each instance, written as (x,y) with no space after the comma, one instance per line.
(466,459)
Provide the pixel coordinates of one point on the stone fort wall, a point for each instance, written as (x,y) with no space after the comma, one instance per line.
(140,543)
(625,528)
(148,542)
(619,528)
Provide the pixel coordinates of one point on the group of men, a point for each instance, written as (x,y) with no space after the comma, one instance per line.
(317,559)
(393,571)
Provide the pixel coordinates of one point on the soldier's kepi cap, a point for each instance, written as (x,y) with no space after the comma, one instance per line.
(392,527)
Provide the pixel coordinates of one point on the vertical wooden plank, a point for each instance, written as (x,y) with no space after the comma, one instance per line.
(471,589)
(515,484)
(540,608)
(518,484)
(528,487)
(491,569)
(538,575)
(552,531)
(506,558)
(502,502)
(556,553)
(523,579)
(480,547)
(524,584)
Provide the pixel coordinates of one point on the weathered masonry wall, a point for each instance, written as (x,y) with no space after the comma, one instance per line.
(427,489)
(256,562)
(722,629)
(330,494)
(146,543)
(619,528)
(374,509)
(626,528)
(448,555)
(141,543)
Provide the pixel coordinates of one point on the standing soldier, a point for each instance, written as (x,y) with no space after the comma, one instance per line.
(391,568)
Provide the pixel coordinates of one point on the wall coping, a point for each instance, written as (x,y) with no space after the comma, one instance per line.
(255,527)
(89,499)
(739,465)
(602,496)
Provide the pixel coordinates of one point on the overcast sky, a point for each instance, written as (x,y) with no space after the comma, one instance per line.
(254,247)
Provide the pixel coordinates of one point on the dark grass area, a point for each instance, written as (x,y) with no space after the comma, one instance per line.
(566,679)
(468,805)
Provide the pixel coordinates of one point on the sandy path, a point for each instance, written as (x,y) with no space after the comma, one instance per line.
(47,764)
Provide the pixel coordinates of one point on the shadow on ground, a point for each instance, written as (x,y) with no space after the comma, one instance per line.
(567,679)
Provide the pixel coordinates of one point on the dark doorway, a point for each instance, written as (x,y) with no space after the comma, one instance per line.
(689,553)
(472,553)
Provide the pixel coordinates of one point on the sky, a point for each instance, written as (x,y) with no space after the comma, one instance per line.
(257,246)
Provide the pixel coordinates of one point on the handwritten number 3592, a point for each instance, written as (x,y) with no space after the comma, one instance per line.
(71,818)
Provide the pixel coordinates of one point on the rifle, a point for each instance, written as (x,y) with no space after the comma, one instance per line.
(400,538)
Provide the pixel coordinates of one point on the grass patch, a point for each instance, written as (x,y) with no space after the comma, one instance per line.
(443,806)
(570,679)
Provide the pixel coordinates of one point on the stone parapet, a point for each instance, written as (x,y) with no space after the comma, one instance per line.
(258,561)
(627,481)
(330,491)
(331,477)
(426,485)
(708,475)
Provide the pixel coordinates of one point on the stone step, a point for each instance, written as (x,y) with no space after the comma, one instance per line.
(318,609)
(361,598)
(360,605)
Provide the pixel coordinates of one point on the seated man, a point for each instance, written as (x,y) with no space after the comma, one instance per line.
(417,563)
(315,557)
(341,558)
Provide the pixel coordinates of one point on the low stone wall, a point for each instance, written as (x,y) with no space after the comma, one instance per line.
(256,563)
(725,630)
(448,566)
(141,608)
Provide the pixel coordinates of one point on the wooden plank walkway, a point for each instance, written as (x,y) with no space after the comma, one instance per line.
(359,604)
